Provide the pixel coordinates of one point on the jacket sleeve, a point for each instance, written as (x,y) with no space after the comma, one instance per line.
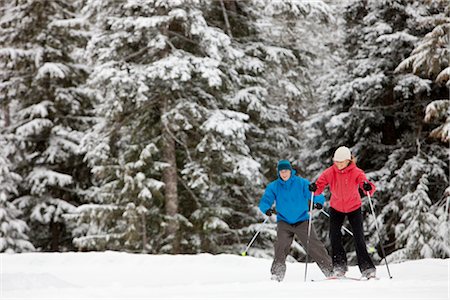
(322,183)
(361,179)
(267,199)
(317,198)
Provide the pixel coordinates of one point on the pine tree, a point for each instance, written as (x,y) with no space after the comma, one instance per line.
(413,216)
(195,82)
(378,113)
(45,111)
(429,60)
(13,230)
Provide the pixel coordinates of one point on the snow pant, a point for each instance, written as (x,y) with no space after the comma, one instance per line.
(339,255)
(285,236)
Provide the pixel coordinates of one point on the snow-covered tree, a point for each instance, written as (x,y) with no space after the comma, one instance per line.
(413,211)
(199,82)
(379,113)
(45,110)
(430,61)
(13,230)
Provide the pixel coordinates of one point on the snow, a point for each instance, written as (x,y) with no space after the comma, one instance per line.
(118,275)
(229,123)
(52,70)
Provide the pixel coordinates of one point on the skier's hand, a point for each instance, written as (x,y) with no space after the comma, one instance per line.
(367,187)
(318,205)
(270,211)
(312,187)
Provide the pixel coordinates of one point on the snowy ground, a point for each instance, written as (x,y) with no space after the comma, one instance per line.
(114,275)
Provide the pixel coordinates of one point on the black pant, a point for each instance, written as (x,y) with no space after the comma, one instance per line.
(339,256)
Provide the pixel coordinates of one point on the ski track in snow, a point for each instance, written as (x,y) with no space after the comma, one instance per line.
(118,275)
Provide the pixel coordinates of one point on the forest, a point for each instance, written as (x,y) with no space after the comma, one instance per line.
(154,126)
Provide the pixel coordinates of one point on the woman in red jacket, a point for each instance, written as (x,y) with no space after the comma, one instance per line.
(344,179)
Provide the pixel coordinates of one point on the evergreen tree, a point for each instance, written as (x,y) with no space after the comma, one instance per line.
(195,82)
(293,29)
(44,111)
(13,230)
(430,61)
(379,114)
(415,228)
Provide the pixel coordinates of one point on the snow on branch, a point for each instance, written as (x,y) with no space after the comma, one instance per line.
(435,111)
(444,76)
(431,54)
(138,23)
(70,23)
(411,84)
(317,9)
(40,109)
(227,122)
(34,127)
(14,54)
(53,70)
(182,67)
(397,36)
(40,177)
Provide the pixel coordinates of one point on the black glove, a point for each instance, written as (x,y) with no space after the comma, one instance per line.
(270,211)
(312,187)
(367,187)
(318,205)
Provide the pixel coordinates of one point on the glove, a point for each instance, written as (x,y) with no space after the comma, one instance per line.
(367,187)
(312,187)
(270,211)
(318,205)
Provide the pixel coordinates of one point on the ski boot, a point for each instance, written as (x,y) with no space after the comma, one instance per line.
(369,273)
(276,277)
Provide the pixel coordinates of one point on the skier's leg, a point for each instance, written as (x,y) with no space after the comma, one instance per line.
(317,249)
(365,263)
(339,257)
(282,247)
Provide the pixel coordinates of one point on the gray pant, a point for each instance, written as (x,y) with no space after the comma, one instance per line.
(285,236)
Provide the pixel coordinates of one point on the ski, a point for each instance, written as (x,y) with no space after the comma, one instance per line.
(345,278)
(367,279)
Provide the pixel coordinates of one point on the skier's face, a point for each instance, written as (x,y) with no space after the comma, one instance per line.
(342,164)
(285,174)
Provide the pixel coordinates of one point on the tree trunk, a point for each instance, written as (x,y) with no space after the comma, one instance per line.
(55,229)
(6,114)
(388,132)
(144,233)
(170,180)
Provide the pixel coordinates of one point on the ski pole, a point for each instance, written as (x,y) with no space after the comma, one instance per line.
(446,219)
(309,233)
(343,227)
(254,237)
(379,235)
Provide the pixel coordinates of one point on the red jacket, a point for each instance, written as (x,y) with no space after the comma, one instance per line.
(344,186)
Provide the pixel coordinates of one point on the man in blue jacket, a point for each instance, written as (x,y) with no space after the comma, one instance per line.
(291,195)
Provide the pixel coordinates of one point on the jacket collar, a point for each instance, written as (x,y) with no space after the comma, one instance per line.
(349,168)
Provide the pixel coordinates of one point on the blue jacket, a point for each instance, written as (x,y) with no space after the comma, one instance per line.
(291,198)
